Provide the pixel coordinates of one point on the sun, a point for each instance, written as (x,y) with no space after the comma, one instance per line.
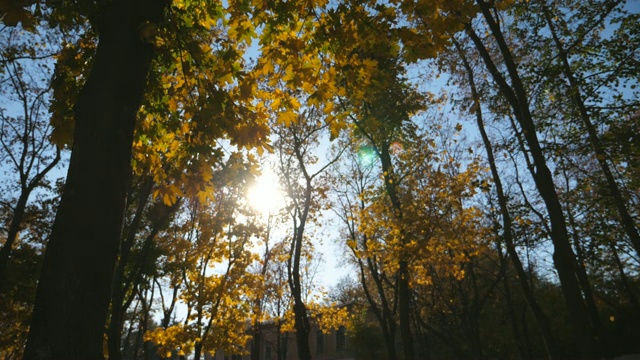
(265,196)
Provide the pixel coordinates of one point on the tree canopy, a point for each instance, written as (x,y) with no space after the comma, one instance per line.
(472,162)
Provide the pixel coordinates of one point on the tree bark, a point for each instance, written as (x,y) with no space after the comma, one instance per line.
(73,294)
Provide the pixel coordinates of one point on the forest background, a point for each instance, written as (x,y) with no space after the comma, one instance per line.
(477,163)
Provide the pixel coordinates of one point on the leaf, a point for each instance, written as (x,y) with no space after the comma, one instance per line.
(287,118)
(328,107)
(173,105)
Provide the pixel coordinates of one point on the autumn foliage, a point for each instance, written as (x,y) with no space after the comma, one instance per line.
(474,162)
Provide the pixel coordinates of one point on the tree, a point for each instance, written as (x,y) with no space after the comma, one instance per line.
(294,145)
(357,178)
(16,299)
(139,239)
(26,151)
(161,111)
(74,289)
(506,216)
(214,285)
(105,110)
(516,94)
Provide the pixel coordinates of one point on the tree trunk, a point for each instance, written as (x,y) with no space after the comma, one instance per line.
(563,256)
(12,235)
(626,219)
(633,300)
(507,222)
(385,314)
(302,326)
(73,294)
(120,289)
(592,308)
(517,334)
(303,329)
(404,310)
(197,350)
(256,344)
(404,290)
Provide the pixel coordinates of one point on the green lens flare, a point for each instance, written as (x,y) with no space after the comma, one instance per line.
(366,155)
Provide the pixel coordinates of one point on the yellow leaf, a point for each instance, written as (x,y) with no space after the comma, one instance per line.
(369,63)
(328,107)
(289,74)
(275,104)
(175,190)
(295,104)
(227,78)
(287,117)
(173,105)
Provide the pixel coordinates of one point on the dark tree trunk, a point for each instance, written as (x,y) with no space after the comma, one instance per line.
(123,292)
(73,294)
(507,222)
(302,326)
(383,312)
(256,344)
(303,329)
(517,334)
(563,256)
(404,310)
(12,235)
(624,280)
(592,308)
(301,319)
(626,220)
(120,287)
(404,290)
(384,315)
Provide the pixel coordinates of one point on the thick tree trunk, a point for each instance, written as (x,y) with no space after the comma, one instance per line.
(73,294)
